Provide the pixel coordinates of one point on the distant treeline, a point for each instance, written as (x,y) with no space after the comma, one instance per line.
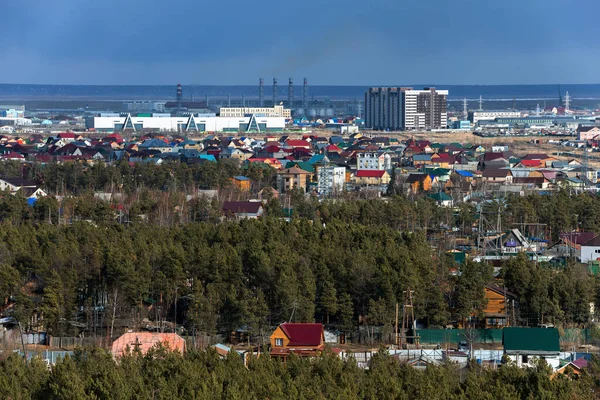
(560,212)
(161,374)
(76,178)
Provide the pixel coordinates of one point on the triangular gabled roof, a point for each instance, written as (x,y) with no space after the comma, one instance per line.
(416,177)
(294,170)
(439,197)
(303,334)
(305,165)
(242,207)
(500,291)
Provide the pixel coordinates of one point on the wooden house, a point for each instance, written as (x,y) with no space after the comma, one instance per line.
(293,178)
(241,182)
(419,182)
(372,177)
(303,339)
(242,209)
(500,304)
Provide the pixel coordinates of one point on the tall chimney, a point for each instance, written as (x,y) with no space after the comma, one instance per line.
(261,92)
(290,93)
(305,95)
(274,91)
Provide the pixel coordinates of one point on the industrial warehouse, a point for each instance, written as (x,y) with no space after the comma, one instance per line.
(184,119)
(190,123)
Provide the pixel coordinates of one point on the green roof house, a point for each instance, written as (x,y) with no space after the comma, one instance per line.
(441,198)
(522,345)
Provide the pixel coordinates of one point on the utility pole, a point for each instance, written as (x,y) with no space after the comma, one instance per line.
(175,320)
(293,310)
(513,312)
(408,318)
(505,307)
(396,331)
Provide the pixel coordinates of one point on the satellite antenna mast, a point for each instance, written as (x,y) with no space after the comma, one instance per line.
(567,102)
(465,110)
(480,103)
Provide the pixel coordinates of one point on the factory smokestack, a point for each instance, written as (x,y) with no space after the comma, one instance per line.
(290,93)
(305,94)
(261,92)
(274,91)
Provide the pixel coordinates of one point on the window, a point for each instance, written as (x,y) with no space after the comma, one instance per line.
(525,359)
(279,342)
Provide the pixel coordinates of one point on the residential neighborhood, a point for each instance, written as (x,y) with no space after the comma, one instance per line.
(369,162)
(476,211)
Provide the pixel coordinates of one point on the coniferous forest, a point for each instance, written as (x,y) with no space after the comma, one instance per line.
(162,374)
(79,268)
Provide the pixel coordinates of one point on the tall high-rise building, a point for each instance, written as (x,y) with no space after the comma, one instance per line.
(398,108)
(384,108)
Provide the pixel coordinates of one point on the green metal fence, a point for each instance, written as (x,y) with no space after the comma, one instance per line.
(435,336)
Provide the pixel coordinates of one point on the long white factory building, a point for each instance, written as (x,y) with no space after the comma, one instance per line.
(192,123)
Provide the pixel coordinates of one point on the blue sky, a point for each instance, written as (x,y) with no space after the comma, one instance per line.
(332,42)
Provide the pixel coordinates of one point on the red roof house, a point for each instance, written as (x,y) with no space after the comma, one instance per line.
(333,148)
(371,177)
(297,143)
(243,209)
(370,173)
(68,135)
(305,337)
(12,156)
(531,163)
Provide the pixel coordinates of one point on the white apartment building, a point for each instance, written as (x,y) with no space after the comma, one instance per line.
(373,161)
(490,115)
(276,111)
(425,109)
(330,180)
(399,108)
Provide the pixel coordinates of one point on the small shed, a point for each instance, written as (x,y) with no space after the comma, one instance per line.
(522,345)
